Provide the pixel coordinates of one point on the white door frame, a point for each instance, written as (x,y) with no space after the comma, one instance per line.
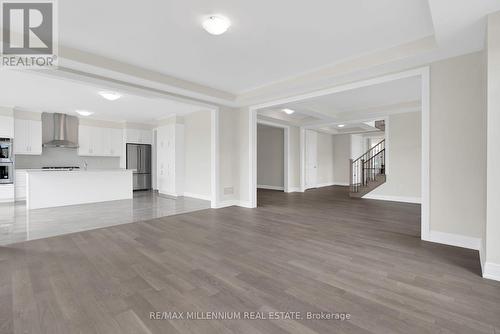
(422,72)
(286,150)
(304,186)
(214,156)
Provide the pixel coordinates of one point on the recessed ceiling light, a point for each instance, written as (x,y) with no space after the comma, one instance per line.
(110,95)
(341,125)
(216,24)
(288,111)
(84,112)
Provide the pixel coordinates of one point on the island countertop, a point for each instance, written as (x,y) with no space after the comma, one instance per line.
(52,188)
(93,170)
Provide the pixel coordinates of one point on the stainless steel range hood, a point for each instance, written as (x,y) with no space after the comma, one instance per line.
(59,130)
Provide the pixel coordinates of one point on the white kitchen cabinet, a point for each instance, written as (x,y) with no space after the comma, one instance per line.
(84,140)
(6,127)
(170,159)
(101,142)
(146,137)
(6,193)
(27,137)
(20,184)
(138,136)
(98,141)
(115,142)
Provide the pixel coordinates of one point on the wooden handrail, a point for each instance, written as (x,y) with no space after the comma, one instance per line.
(372,149)
(365,169)
(374,156)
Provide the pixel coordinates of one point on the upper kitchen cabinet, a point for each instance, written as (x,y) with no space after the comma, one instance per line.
(6,126)
(139,136)
(113,140)
(97,141)
(27,137)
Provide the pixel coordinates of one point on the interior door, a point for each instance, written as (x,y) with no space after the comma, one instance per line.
(311,154)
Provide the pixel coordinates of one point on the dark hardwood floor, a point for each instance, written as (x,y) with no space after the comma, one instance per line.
(318,251)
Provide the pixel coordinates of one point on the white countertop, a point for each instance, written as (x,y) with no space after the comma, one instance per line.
(77,170)
(49,188)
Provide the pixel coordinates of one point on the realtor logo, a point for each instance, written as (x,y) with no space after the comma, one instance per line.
(28,34)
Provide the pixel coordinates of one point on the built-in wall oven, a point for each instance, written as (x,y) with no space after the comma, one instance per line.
(6,161)
(6,173)
(6,154)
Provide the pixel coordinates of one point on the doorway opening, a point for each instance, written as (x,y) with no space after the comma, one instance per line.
(270,157)
(334,109)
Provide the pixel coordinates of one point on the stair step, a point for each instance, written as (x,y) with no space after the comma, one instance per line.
(371,185)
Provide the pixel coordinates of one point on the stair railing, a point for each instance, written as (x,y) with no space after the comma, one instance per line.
(367,167)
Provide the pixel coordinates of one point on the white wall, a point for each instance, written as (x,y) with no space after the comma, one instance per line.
(197,155)
(270,157)
(404,164)
(357,146)
(341,156)
(294,159)
(233,155)
(325,147)
(458,146)
(491,259)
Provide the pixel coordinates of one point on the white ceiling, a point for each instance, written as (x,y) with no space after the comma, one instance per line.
(296,118)
(354,127)
(38,93)
(362,103)
(351,108)
(268,41)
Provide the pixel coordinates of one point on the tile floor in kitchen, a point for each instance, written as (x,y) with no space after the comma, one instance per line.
(18,224)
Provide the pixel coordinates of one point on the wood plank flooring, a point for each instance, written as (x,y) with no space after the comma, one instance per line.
(318,251)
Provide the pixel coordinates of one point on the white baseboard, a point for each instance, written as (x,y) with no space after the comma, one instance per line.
(263,186)
(233,202)
(225,204)
(404,199)
(327,184)
(174,195)
(491,271)
(324,184)
(294,190)
(198,196)
(245,204)
(455,240)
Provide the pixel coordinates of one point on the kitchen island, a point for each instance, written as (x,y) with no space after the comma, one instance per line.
(46,189)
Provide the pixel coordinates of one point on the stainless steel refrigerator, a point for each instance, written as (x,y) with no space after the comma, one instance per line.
(139,159)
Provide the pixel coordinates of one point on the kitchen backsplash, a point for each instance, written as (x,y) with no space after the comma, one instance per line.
(53,156)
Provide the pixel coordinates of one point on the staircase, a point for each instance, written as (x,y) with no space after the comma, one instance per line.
(368,171)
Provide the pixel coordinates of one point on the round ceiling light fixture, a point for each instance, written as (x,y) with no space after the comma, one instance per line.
(216,24)
(288,111)
(111,96)
(85,112)
(341,125)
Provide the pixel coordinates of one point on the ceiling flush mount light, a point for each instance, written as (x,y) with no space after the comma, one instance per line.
(111,96)
(216,24)
(341,125)
(288,111)
(84,112)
